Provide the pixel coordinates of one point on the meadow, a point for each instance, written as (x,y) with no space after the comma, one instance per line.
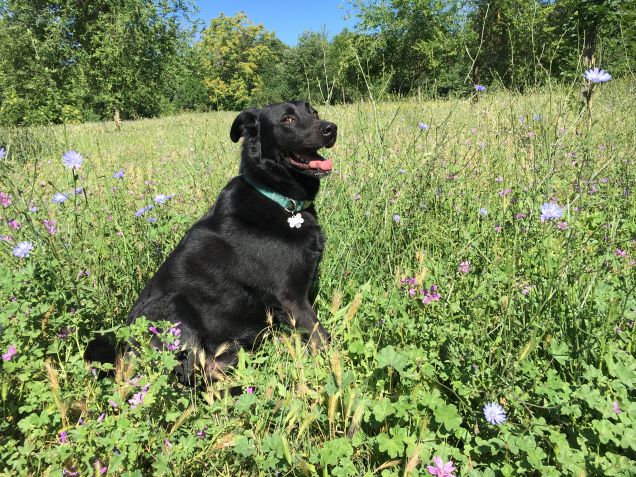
(478,254)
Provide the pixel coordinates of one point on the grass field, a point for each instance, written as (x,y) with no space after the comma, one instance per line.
(446,197)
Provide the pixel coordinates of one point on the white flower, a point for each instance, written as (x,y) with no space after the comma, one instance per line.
(494,413)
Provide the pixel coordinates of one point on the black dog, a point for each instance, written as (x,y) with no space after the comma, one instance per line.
(256,252)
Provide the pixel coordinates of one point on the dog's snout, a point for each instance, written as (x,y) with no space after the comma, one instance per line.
(328,129)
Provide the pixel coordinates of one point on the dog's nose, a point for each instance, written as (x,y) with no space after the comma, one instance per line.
(328,129)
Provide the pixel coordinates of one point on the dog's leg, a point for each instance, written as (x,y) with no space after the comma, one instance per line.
(302,315)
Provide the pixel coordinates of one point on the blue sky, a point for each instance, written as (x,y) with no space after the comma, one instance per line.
(287,18)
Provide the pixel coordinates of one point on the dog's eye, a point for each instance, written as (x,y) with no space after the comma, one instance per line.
(288,119)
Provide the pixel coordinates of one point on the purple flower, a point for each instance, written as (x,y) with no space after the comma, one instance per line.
(143,210)
(99,467)
(499,179)
(14,224)
(440,469)
(138,398)
(526,289)
(562,225)
(23,249)
(620,253)
(175,332)
(64,332)
(409,281)
(119,174)
(397,218)
(78,190)
(3,152)
(597,75)
(537,117)
(498,228)
(113,404)
(550,211)
(249,390)
(153,330)
(479,88)
(72,160)
(430,295)
(168,444)
(6,238)
(464,267)
(483,211)
(5,199)
(151,220)
(356,197)
(11,352)
(505,192)
(423,126)
(201,433)
(101,417)
(520,216)
(50,226)
(616,408)
(162,198)
(72,472)
(494,413)
(59,198)
(63,437)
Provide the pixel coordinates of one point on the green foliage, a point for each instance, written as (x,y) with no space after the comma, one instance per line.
(542,321)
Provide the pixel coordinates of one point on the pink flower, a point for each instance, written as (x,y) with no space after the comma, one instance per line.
(63,437)
(5,199)
(562,226)
(620,253)
(250,390)
(616,408)
(464,267)
(168,444)
(50,226)
(440,469)
(14,224)
(11,352)
(99,467)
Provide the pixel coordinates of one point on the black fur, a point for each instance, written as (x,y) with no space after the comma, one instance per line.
(242,260)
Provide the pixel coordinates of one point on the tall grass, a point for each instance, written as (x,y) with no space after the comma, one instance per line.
(539,318)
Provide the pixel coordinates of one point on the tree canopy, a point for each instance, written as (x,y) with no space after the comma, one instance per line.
(69,60)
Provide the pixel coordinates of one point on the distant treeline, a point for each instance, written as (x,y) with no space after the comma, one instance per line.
(80,60)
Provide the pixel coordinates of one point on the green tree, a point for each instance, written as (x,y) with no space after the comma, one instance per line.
(75,60)
(234,52)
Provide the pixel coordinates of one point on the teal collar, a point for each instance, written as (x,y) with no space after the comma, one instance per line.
(290,205)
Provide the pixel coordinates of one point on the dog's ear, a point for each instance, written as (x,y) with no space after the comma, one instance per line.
(244,124)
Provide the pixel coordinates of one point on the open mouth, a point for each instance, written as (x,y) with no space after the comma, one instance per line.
(309,162)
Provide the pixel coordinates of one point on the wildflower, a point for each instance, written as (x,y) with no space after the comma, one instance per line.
(113,404)
(522,119)
(499,179)
(479,88)
(464,267)
(440,469)
(64,332)
(494,413)
(153,330)
(402,171)
(101,417)
(63,437)
(168,444)
(616,408)
(119,174)
(397,218)
(33,208)
(562,225)
(597,75)
(356,197)
(423,126)
(409,281)
(59,198)
(143,210)
(498,228)
(50,226)
(71,472)
(151,220)
(201,433)
(6,238)
(98,467)
(78,190)
(537,117)
(620,253)
(11,352)
(14,224)
(23,249)
(430,295)
(483,211)
(175,331)
(5,199)
(550,211)
(162,198)
(526,289)
(250,390)
(138,398)
(3,152)
(520,216)
(72,160)
(505,192)
(604,180)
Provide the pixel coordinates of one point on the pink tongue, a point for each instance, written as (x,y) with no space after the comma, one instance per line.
(325,165)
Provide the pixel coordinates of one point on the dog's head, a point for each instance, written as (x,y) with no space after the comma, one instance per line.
(284,138)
